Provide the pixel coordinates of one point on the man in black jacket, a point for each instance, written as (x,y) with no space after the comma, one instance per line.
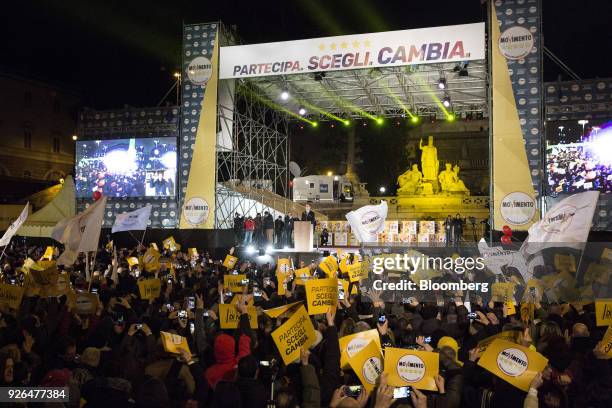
(268,226)
(252,392)
(278,231)
(288,230)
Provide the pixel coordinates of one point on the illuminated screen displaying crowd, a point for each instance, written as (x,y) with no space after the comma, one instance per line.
(579,156)
(136,167)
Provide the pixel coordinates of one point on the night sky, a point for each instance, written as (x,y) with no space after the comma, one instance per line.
(124,52)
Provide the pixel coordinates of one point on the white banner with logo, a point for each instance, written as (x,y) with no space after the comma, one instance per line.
(366,222)
(456,43)
(133,220)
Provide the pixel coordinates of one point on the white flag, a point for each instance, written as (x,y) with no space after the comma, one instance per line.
(366,222)
(133,220)
(495,258)
(567,224)
(14,227)
(80,233)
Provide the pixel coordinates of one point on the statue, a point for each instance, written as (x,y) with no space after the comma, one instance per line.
(429,159)
(450,182)
(409,181)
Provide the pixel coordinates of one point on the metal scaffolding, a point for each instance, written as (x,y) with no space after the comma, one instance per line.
(252,154)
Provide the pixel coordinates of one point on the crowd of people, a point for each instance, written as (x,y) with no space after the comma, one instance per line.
(264,230)
(114,356)
(573,169)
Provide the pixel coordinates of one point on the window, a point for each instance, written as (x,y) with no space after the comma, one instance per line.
(323,188)
(27,138)
(56,144)
(27,99)
(311,185)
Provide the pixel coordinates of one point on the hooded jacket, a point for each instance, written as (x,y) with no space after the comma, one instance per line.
(226,358)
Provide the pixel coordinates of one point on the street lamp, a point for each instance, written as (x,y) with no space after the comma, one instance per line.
(74,137)
(382,190)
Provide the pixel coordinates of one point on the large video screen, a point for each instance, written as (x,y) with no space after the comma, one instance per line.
(579,156)
(136,167)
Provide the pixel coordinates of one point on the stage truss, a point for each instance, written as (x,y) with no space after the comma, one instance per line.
(252,161)
(382,91)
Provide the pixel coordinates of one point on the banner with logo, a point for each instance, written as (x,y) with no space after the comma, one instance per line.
(517,111)
(357,271)
(150,260)
(149,288)
(199,151)
(133,220)
(321,294)
(229,316)
(457,43)
(367,221)
(406,367)
(297,332)
(173,342)
(603,312)
(512,363)
(567,224)
(367,365)
(280,310)
(170,244)
(85,303)
(353,343)
(11,295)
(234,282)
(508,335)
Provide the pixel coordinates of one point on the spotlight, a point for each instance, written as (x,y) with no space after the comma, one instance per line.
(269,249)
(442,83)
(347,122)
(315,124)
(329,173)
(302,111)
(250,249)
(414,119)
(446,101)
(284,95)
(74,137)
(451,117)
(379,121)
(382,190)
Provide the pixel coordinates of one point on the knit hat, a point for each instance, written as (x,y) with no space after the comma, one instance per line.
(451,343)
(91,357)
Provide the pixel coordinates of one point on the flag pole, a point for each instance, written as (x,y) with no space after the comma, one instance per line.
(143,235)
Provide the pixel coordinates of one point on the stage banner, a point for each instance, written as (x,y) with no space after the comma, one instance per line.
(517,111)
(198,149)
(456,43)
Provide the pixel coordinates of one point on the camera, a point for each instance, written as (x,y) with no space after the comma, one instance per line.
(472,315)
(264,363)
(256,292)
(341,294)
(352,390)
(428,339)
(182,314)
(139,326)
(382,318)
(401,392)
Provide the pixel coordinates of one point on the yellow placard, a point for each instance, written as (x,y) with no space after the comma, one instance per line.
(277,311)
(44,273)
(233,282)
(321,294)
(61,287)
(48,255)
(606,343)
(411,367)
(170,243)
(345,286)
(297,332)
(149,288)
(502,291)
(150,259)
(85,303)
(527,312)
(302,275)
(132,260)
(329,265)
(510,308)
(193,252)
(357,271)
(367,364)
(230,261)
(352,344)
(173,342)
(512,363)
(565,263)
(343,265)
(603,312)
(508,335)
(229,316)
(11,295)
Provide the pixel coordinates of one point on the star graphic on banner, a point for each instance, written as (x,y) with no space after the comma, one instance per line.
(355,44)
(332,46)
(366,43)
(321,47)
(343,45)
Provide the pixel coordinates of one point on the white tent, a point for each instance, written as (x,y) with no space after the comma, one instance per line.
(41,223)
